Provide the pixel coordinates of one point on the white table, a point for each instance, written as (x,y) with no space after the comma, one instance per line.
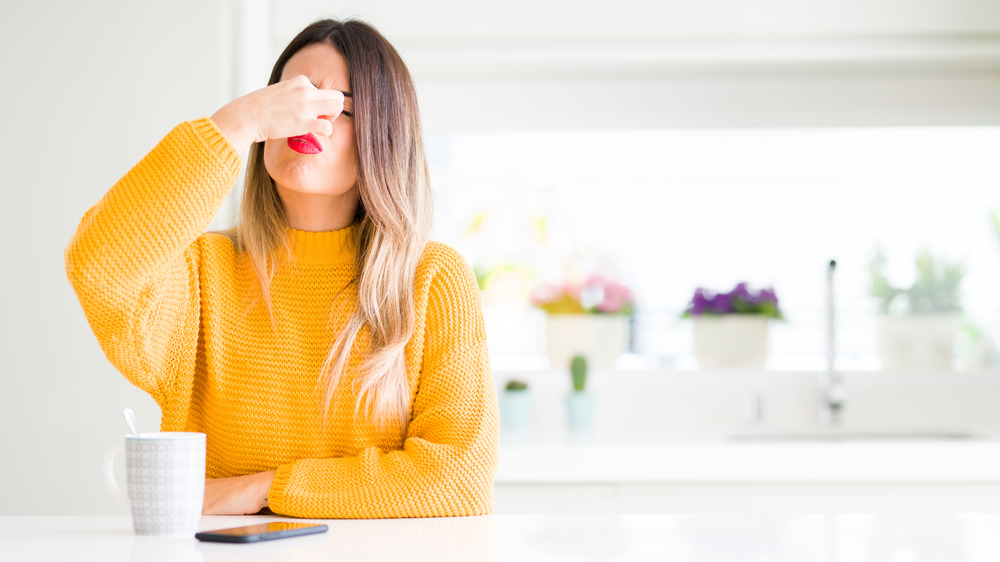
(678,538)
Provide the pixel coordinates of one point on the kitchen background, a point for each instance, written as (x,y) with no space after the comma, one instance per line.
(668,145)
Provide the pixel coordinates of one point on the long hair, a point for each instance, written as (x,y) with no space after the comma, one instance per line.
(394,218)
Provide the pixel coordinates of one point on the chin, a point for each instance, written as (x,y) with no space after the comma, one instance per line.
(296,185)
(311,190)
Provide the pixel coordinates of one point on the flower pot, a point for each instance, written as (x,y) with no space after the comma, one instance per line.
(601,338)
(580,410)
(515,409)
(731,341)
(918,341)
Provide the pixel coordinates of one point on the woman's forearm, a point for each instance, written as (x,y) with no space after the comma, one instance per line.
(233,127)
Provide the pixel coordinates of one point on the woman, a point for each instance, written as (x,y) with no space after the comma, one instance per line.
(335,357)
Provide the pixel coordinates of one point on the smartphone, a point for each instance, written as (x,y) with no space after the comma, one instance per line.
(261,532)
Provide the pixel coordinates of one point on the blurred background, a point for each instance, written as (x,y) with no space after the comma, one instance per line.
(667,146)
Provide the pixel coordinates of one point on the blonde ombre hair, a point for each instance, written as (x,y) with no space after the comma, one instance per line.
(394,217)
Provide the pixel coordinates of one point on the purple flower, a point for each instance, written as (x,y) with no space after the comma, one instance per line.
(740,300)
(768,295)
(701,302)
(741,292)
(722,303)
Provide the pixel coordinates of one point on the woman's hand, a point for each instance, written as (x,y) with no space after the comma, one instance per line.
(239,495)
(286,109)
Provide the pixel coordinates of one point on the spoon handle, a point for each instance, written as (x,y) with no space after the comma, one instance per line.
(130,420)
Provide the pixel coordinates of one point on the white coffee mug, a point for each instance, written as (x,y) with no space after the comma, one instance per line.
(165,480)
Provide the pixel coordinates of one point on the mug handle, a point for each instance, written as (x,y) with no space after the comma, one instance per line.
(109,474)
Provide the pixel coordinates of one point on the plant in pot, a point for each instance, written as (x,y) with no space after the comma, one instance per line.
(976,347)
(579,402)
(918,324)
(731,329)
(515,405)
(590,318)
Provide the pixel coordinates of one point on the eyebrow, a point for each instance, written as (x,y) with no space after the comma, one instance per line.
(346,94)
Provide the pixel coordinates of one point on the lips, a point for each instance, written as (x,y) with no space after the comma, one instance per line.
(305,144)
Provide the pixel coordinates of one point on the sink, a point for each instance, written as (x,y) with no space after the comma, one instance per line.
(837,434)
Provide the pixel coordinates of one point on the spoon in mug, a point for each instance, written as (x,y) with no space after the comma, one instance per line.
(130,420)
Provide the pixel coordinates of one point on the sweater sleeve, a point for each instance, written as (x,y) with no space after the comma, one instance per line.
(448,460)
(134,259)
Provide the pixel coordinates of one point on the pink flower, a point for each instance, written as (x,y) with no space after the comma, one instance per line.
(616,297)
(573,290)
(597,293)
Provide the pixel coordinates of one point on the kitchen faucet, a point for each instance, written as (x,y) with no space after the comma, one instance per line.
(832,392)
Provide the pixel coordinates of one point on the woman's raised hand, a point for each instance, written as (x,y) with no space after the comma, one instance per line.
(286,109)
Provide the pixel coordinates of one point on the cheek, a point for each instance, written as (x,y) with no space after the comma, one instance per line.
(281,163)
(351,162)
(270,157)
(348,158)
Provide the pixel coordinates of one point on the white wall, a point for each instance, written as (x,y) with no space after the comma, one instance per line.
(634,64)
(90,87)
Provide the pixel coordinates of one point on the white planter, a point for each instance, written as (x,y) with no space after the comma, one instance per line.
(733,340)
(918,341)
(601,338)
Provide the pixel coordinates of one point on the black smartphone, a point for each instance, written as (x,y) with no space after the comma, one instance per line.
(261,532)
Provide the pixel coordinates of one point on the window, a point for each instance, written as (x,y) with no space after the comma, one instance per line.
(667,211)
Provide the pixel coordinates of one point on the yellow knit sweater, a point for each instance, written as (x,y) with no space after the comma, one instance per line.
(166,301)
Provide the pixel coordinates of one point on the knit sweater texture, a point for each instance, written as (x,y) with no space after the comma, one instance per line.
(167,302)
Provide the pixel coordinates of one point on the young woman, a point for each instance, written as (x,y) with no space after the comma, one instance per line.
(335,358)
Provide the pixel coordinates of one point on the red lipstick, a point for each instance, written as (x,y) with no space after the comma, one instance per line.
(305,144)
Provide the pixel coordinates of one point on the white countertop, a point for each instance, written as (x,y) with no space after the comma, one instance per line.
(678,538)
(611,459)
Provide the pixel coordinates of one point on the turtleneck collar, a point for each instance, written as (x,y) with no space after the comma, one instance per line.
(324,248)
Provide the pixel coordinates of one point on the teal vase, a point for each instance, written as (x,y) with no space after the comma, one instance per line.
(515,409)
(580,409)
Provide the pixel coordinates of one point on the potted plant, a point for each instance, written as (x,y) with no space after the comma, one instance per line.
(579,402)
(917,324)
(515,405)
(589,318)
(731,329)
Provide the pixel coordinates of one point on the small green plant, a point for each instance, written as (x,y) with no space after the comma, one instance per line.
(578,369)
(935,290)
(516,385)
